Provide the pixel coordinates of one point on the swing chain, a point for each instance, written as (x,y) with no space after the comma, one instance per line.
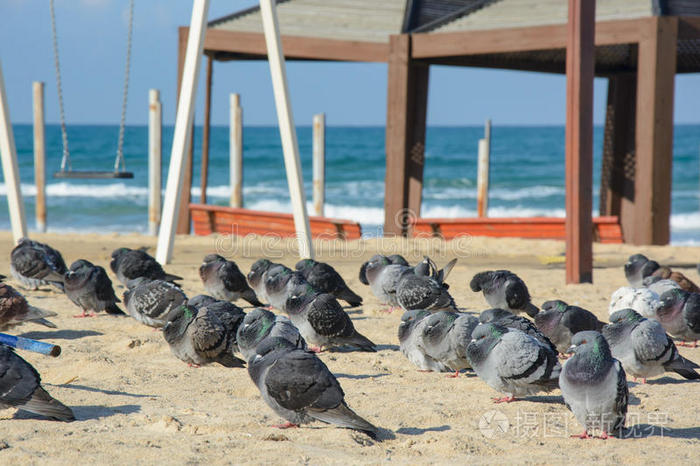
(65,160)
(120,145)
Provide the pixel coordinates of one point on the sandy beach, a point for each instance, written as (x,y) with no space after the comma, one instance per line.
(136,403)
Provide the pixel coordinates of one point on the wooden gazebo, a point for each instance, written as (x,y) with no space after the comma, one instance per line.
(639,46)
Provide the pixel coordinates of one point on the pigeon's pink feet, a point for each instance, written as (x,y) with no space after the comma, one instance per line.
(286,425)
(80,316)
(316,349)
(687,344)
(387,310)
(505,399)
(584,435)
(195,366)
(644,380)
(453,376)
(157,329)
(563,356)
(604,436)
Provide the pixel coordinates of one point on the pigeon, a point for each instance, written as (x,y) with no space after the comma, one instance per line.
(642,300)
(129,264)
(325,279)
(259,324)
(256,277)
(223,280)
(229,314)
(200,337)
(510,320)
(659,285)
(201,300)
(150,301)
(35,264)
(594,385)
(428,291)
(410,332)
(445,337)
(397,259)
(383,278)
(89,288)
(644,348)
(298,386)
(639,267)
(504,290)
(559,322)
(679,313)
(20,387)
(280,283)
(14,310)
(322,321)
(512,362)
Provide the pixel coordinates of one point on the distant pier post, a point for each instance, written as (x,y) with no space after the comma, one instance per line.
(155,136)
(319,163)
(482,180)
(39,156)
(236,151)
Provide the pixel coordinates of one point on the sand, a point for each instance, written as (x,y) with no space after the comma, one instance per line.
(136,403)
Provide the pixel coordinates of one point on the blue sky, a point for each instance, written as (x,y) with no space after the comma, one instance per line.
(92,35)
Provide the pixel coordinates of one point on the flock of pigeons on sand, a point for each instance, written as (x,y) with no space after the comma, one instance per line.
(514,355)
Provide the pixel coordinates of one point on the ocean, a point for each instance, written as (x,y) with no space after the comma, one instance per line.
(527,175)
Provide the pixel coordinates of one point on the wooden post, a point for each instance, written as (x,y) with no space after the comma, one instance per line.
(39,156)
(319,163)
(8,152)
(183,125)
(654,131)
(482,179)
(155,159)
(183,216)
(290,147)
(206,131)
(580,61)
(407,101)
(236,151)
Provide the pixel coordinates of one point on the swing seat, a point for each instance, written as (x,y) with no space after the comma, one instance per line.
(85,174)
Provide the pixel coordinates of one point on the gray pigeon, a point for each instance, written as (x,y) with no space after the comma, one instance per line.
(199,337)
(679,313)
(383,278)
(20,387)
(659,285)
(637,268)
(594,385)
(298,386)
(325,279)
(559,322)
(150,301)
(510,320)
(398,259)
(129,264)
(259,324)
(644,348)
(504,290)
(445,337)
(427,291)
(14,310)
(642,300)
(230,315)
(89,288)
(410,332)
(323,322)
(512,362)
(35,264)
(280,283)
(256,277)
(223,280)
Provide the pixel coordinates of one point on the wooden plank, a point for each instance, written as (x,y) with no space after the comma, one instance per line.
(407,101)
(183,222)
(579,141)
(688,28)
(296,47)
(206,132)
(654,132)
(39,156)
(520,39)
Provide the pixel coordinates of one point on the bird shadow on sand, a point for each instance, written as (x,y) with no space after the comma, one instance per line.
(556,399)
(61,334)
(421,430)
(353,310)
(99,390)
(638,431)
(86,413)
(359,376)
(660,381)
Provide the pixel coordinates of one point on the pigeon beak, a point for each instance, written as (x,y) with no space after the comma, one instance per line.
(571,350)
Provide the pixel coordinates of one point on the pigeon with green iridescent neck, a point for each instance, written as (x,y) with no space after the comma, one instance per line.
(325,279)
(510,320)
(559,322)
(35,264)
(223,280)
(594,385)
(512,362)
(259,324)
(679,313)
(644,348)
(660,285)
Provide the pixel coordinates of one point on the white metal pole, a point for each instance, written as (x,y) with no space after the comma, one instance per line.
(39,156)
(155,159)
(183,122)
(236,151)
(290,147)
(9,167)
(319,163)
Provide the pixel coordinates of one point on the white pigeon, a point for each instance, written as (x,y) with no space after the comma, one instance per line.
(642,300)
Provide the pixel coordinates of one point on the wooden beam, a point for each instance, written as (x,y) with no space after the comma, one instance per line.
(407,101)
(296,47)
(688,28)
(654,131)
(521,39)
(183,218)
(579,141)
(206,132)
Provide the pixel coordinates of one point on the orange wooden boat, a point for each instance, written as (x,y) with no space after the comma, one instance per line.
(210,219)
(605,229)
